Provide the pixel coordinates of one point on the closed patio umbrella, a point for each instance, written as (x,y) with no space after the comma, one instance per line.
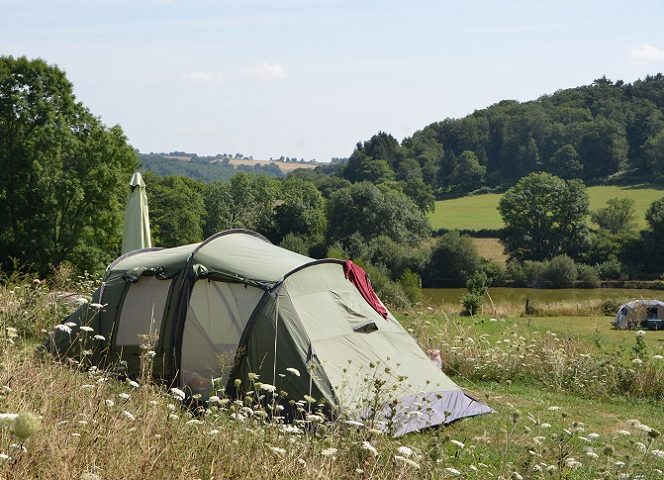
(136,230)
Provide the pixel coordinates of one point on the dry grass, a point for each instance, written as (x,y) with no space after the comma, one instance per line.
(491,249)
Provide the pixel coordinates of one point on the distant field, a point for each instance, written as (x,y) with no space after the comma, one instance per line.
(284,166)
(480,211)
(491,249)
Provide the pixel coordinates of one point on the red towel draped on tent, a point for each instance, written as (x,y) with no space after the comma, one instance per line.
(360,279)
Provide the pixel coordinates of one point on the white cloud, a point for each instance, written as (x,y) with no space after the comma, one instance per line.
(647,53)
(205,77)
(266,71)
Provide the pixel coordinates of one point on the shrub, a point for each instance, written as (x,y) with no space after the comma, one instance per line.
(453,260)
(588,276)
(494,270)
(412,285)
(472,303)
(560,272)
(391,293)
(611,269)
(295,243)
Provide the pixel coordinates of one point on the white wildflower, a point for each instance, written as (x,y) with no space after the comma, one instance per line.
(657,357)
(132,383)
(173,416)
(640,333)
(4,457)
(405,451)
(97,305)
(87,386)
(128,415)
(193,421)
(100,338)
(407,461)
(76,435)
(658,453)
(124,396)
(71,324)
(458,443)
(593,436)
(109,402)
(85,328)
(354,423)
(329,452)
(452,471)
(367,446)
(177,393)
(572,462)
(545,425)
(637,361)
(619,464)
(63,328)
(592,455)
(554,408)
(213,432)
(268,388)
(641,447)
(278,451)
(624,432)
(294,371)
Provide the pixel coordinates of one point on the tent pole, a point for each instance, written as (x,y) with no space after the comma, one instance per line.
(276,331)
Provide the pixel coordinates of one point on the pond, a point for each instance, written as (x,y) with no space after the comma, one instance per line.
(436,296)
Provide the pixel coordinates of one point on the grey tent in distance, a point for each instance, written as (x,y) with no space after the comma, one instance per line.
(136,228)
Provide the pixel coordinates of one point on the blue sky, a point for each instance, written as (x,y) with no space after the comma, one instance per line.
(310,78)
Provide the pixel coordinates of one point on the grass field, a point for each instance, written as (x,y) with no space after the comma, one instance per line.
(573,400)
(480,211)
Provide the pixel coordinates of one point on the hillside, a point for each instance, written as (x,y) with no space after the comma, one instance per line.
(479,212)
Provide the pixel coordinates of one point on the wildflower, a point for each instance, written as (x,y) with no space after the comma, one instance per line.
(87,386)
(658,453)
(640,333)
(177,393)
(619,464)
(71,324)
(309,399)
(128,415)
(63,328)
(641,447)
(354,423)
(291,429)
(213,432)
(458,443)
(367,446)
(151,353)
(545,425)
(637,361)
(268,388)
(407,461)
(592,455)
(405,451)
(593,436)
(278,451)
(452,471)
(11,332)
(193,421)
(85,328)
(173,416)
(97,305)
(86,353)
(253,376)
(89,476)
(623,432)
(76,435)
(26,425)
(109,402)
(81,301)
(328,452)
(132,383)
(294,371)
(124,396)
(100,338)
(572,462)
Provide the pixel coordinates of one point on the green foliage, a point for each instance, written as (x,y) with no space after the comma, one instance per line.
(63,174)
(544,216)
(411,283)
(390,292)
(177,210)
(478,283)
(588,276)
(472,303)
(453,259)
(560,272)
(295,243)
(372,211)
(618,215)
(468,173)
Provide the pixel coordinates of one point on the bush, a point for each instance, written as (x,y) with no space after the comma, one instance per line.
(494,271)
(560,272)
(396,257)
(588,276)
(391,293)
(295,243)
(472,303)
(453,260)
(611,269)
(412,285)
(534,273)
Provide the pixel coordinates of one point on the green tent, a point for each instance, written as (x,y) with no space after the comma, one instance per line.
(136,227)
(215,311)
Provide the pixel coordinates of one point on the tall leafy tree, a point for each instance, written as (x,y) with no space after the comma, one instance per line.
(374,210)
(618,216)
(544,216)
(63,174)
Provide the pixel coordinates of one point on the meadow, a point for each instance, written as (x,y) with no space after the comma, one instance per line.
(573,400)
(479,212)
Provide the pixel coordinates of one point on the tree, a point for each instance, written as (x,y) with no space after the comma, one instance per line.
(653,153)
(468,173)
(300,211)
(362,168)
(372,211)
(420,193)
(544,216)
(177,210)
(618,216)
(453,260)
(565,163)
(63,175)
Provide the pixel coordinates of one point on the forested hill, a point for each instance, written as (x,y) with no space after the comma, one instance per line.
(594,132)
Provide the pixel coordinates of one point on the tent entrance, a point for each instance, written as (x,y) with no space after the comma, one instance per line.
(217,315)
